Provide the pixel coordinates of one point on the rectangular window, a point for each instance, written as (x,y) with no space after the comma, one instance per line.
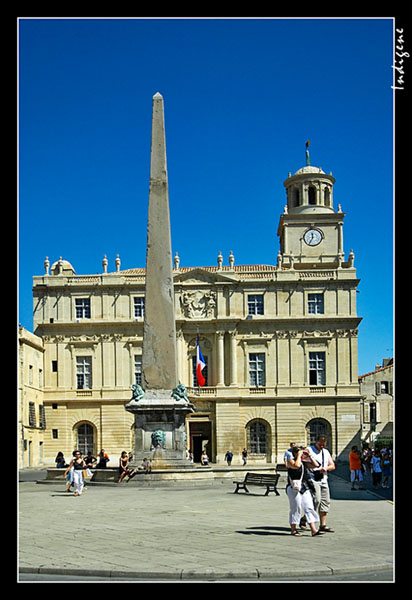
(138,369)
(42,417)
(255,304)
(204,372)
(317,373)
(82,308)
(55,434)
(138,307)
(84,372)
(32,414)
(257,370)
(54,366)
(315,304)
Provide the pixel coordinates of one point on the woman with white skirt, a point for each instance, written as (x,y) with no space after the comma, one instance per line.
(78,465)
(299,494)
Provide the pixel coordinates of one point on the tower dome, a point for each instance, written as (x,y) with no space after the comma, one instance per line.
(309,169)
(309,190)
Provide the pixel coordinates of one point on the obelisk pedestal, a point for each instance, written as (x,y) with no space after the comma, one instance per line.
(160,405)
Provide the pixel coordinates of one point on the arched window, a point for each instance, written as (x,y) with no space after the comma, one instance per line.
(312,194)
(317,427)
(296,197)
(258,437)
(85,438)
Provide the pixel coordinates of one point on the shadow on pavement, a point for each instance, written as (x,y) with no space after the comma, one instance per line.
(266,531)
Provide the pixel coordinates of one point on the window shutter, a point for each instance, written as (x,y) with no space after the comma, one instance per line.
(378,412)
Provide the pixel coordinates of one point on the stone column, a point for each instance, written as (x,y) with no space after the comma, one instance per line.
(220,358)
(340,237)
(233,358)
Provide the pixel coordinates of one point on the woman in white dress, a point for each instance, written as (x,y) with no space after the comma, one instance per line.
(78,465)
(299,493)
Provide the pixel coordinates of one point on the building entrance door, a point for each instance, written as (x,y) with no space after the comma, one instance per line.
(200,437)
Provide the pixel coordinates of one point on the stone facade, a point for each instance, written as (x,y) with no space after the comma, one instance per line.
(280,343)
(31,410)
(378,405)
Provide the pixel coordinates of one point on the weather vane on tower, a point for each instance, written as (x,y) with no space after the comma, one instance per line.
(307,154)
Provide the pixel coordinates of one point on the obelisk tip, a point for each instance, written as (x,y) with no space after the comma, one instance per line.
(158,96)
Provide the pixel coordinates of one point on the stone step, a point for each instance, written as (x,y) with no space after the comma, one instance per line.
(189,475)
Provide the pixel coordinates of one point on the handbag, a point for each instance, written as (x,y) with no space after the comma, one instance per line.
(318,475)
(296,484)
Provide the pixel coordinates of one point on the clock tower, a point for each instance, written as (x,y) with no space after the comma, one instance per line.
(310,229)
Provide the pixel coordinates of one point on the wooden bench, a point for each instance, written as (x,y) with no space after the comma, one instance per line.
(267,480)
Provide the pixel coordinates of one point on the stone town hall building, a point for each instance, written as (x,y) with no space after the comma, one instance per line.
(280,343)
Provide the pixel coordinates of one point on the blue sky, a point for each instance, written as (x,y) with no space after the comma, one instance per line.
(242,96)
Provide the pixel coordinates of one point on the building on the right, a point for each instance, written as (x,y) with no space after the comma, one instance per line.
(376,388)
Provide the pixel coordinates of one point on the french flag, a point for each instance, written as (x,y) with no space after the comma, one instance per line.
(200,365)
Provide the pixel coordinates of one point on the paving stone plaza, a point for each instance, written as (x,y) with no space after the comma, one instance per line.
(199,533)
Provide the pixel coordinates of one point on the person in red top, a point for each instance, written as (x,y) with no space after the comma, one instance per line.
(355,465)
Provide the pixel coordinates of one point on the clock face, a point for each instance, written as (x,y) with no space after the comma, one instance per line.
(313,237)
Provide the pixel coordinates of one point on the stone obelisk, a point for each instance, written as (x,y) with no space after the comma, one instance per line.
(160,405)
(159,364)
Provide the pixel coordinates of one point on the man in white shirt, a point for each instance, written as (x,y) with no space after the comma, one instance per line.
(320,480)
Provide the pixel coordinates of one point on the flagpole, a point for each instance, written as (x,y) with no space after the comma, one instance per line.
(197,345)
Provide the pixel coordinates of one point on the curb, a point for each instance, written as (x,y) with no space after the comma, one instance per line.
(253,575)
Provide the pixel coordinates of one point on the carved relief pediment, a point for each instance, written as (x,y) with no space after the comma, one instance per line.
(199,275)
(198,304)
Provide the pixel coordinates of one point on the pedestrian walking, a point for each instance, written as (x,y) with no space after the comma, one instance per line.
(288,453)
(376,468)
(386,469)
(69,475)
(228,457)
(286,457)
(244,456)
(367,457)
(319,477)
(298,490)
(78,465)
(355,466)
